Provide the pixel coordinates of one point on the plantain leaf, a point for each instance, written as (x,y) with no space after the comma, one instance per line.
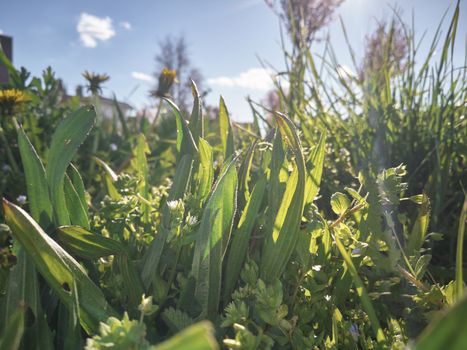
(226,133)
(205,173)
(77,213)
(282,237)
(87,245)
(59,269)
(36,182)
(447,331)
(241,237)
(339,203)
(185,141)
(196,120)
(212,239)
(420,228)
(313,179)
(199,336)
(70,133)
(141,166)
(14,329)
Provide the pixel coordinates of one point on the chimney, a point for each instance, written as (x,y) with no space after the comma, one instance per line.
(6,46)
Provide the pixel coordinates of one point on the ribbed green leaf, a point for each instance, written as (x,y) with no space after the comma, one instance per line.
(196,119)
(205,173)
(36,182)
(59,269)
(199,336)
(420,228)
(280,241)
(133,285)
(78,184)
(141,166)
(77,213)
(313,180)
(241,237)
(226,133)
(244,175)
(212,238)
(13,332)
(447,331)
(88,245)
(185,141)
(70,133)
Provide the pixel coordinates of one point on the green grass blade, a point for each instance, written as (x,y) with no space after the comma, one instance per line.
(199,336)
(36,182)
(459,254)
(110,177)
(212,238)
(241,237)
(226,134)
(59,269)
(361,291)
(70,133)
(88,245)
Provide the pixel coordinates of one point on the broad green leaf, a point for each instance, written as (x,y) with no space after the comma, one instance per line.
(280,241)
(420,228)
(180,184)
(313,179)
(226,133)
(199,336)
(447,331)
(77,213)
(361,291)
(205,173)
(70,133)
(14,329)
(212,238)
(241,237)
(275,187)
(87,245)
(244,175)
(133,285)
(185,142)
(460,248)
(339,203)
(141,166)
(196,120)
(60,270)
(78,184)
(36,182)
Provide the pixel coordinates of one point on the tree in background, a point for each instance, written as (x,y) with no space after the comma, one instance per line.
(173,54)
(304,18)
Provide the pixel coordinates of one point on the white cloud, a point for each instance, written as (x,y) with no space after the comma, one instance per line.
(253,78)
(1,31)
(126,25)
(92,28)
(142,76)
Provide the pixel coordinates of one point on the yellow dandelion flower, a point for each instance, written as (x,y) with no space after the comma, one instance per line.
(10,100)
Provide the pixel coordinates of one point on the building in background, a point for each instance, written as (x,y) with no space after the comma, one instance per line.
(6,44)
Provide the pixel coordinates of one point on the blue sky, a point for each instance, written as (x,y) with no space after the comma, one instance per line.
(225,38)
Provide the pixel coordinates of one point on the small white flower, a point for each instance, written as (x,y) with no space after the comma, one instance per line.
(21,199)
(316,267)
(172,205)
(327,297)
(191,220)
(113,147)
